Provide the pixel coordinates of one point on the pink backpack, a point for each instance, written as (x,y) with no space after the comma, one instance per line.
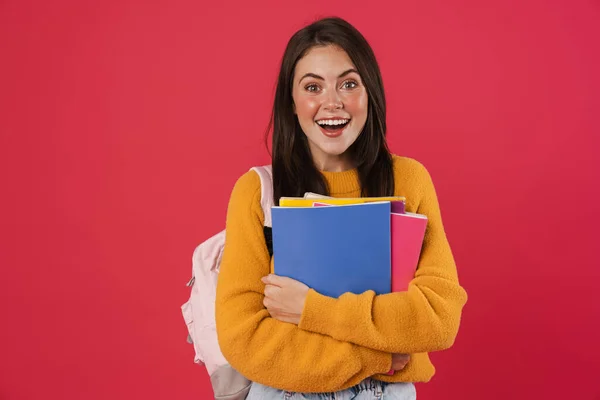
(199,310)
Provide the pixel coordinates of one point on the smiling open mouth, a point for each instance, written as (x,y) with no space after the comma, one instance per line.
(333,126)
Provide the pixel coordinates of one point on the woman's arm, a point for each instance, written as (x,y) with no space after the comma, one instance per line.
(261,348)
(423,319)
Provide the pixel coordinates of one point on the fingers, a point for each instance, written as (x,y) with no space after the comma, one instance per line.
(274,309)
(404,363)
(399,361)
(268,303)
(271,290)
(401,366)
(270,279)
(277,280)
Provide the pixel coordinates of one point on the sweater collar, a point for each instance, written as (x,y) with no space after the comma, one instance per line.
(342,184)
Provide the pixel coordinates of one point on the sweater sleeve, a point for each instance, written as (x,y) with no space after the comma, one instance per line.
(424,318)
(261,348)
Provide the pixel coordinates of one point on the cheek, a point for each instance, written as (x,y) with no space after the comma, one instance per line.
(307,108)
(357,104)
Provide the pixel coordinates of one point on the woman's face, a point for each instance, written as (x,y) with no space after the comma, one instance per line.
(331,104)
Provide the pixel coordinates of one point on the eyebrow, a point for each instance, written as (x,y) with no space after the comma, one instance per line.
(311,75)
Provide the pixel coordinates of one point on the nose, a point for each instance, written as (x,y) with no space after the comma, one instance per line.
(333,101)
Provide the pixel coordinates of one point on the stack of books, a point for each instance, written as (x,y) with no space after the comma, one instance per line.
(340,245)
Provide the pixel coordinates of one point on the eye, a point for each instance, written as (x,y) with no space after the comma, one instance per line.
(351,84)
(313,88)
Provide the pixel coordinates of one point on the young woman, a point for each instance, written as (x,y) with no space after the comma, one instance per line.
(328,128)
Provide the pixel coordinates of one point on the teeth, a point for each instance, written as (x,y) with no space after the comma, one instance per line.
(333,121)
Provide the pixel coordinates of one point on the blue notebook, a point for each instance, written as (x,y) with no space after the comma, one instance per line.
(334,250)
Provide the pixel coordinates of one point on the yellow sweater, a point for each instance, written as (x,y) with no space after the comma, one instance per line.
(339,342)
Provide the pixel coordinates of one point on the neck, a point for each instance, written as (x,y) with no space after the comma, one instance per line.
(339,163)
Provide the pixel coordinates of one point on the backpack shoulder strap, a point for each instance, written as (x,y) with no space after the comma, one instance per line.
(265,173)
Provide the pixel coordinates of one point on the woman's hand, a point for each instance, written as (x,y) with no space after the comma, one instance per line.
(399,361)
(284,298)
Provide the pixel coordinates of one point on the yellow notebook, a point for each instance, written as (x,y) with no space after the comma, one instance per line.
(308,202)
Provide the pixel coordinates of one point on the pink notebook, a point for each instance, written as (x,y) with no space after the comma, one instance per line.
(408,231)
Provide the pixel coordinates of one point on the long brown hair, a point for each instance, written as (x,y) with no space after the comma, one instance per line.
(294,171)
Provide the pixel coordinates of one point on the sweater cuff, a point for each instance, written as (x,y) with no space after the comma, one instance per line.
(317,313)
(375,361)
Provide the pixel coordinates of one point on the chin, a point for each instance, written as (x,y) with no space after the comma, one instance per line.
(335,150)
(331,147)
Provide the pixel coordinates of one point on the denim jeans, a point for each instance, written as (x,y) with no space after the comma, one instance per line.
(369,389)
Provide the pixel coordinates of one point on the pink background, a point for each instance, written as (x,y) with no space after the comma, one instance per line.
(125,124)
